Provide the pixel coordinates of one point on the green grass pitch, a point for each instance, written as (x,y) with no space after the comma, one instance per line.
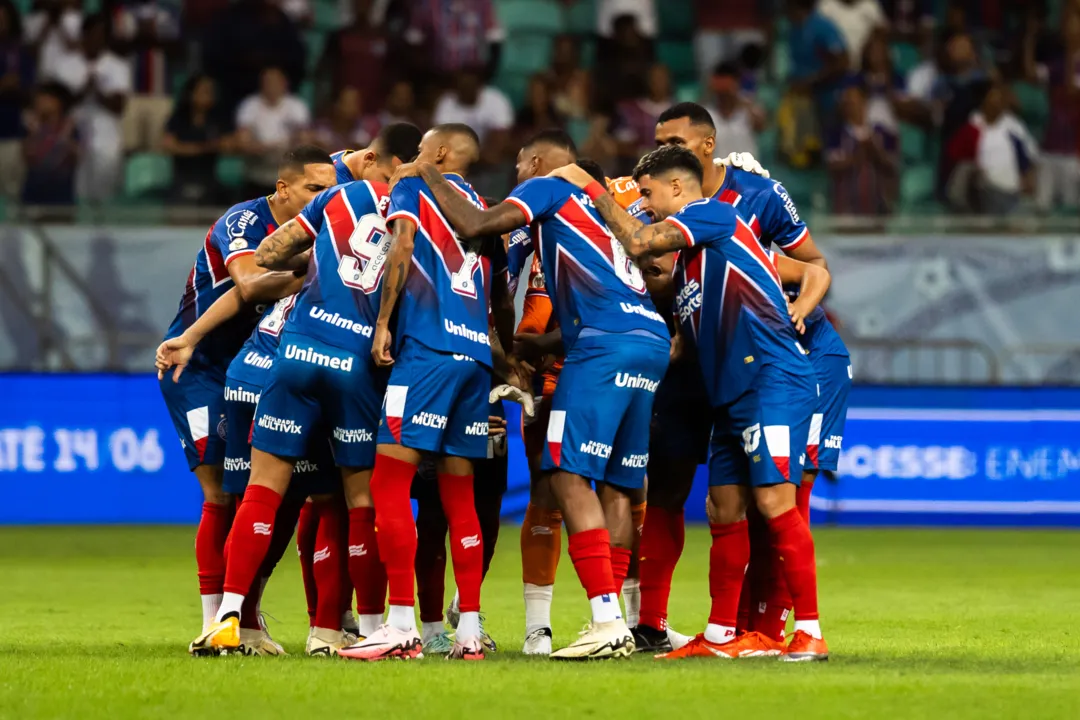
(94,622)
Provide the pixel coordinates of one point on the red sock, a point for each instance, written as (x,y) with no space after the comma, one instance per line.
(394,525)
(210,546)
(728,557)
(365,568)
(306,530)
(757,582)
(250,538)
(620,565)
(590,551)
(802,499)
(284,523)
(662,542)
(792,540)
(249,611)
(330,566)
(430,559)
(466,542)
(771,614)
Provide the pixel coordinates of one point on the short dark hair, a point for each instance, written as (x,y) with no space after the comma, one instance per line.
(556,138)
(294,160)
(593,168)
(398,140)
(696,114)
(458,129)
(668,158)
(58,91)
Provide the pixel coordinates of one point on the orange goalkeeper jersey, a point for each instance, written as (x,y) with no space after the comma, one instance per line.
(624,189)
(538,317)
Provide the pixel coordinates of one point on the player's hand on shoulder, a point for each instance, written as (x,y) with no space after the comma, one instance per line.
(404,170)
(380,346)
(743,161)
(175,353)
(572,173)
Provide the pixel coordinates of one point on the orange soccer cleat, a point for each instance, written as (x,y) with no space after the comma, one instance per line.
(749,644)
(804,647)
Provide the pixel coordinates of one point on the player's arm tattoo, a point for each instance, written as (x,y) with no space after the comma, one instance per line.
(636,237)
(398,262)
(284,248)
(467,219)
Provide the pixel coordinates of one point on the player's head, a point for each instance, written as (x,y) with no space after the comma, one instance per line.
(395,144)
(656,270)
(544,152)
(593,168)
(668,178)
(273,84)
(687,125)
(452,147)
(303,173)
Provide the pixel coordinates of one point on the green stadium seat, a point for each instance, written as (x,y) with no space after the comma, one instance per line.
(905,57)
(315,41)
(526,54)
(327,15)
(768,142)
(230,171)
(768,95)
(1034,106)
(917,186)
(781,59)
(802,185)
(146,173)
(515,85)
(538,16)
(913,144)
(688,92)
(676,20)
(581,17)
(588,53)
(679,58)
(578,129)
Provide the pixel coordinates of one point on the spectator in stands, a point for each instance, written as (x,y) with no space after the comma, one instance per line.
(16,79)
(819,58)
(862,159)
(608,13)
(195,135)
(400,106)
(247,37)
(196,19)
(101,81)
(621,62)
(910,20)
(994,157)
(267,124)
(922,80)
(887,98)
(635,128)
(538,112)
(346,126)
(956,95)
(565,62)
(147,32)
(299,11)
(724,30)
(51,148)
(355,57)
(856,20)
(484,108)
(456,35)
(1059,70)
(737,117)
(52,30)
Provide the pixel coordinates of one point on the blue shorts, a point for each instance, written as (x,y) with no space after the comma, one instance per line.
(197,407)
(437,402)
(314,475)
(682,416)
(753,437)
(602,408)
(827,423)
(317,390)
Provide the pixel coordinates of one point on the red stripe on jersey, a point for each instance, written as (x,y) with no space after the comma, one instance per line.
(745,237)
(729,196)
(755,226)
(578,218)
(441,234)
(341,221)
(214,262)
(783,464)
(694,271)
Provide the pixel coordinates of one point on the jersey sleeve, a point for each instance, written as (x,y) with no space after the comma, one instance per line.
(519,249)
(405,201)
(780,221)
(539,197)
(311,217)
(704,222)
(239,235)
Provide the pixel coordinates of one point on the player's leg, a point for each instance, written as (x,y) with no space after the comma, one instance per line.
(490,486)
(631,586)
(365,568)
(306,528)
(431,532)
(541,537)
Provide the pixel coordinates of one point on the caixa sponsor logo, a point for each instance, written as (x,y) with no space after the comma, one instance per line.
(909,462)
(635,461)
(789,204)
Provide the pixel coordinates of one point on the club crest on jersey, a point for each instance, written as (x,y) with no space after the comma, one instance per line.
(237,244)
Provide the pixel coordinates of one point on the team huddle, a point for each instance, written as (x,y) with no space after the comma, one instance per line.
(344,346)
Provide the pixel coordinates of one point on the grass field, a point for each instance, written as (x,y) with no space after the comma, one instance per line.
(94,622)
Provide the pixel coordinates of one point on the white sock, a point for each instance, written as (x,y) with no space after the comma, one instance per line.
(403,617)
(210,605)
(429,630)
(605,608)
(719,634)
(631,594)
(537,606)
(468,626)
(810,627)
(368,624)
(230,603)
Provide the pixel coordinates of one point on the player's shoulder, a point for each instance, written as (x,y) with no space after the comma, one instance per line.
(519,237)
(708,209)
(245,218)
(747,183)
(365,196)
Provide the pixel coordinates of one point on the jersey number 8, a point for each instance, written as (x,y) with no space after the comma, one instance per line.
(368,243)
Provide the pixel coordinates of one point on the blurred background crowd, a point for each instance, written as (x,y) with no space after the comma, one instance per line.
(861,107)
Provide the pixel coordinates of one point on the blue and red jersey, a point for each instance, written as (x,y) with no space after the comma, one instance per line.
(730,301)
(591,281)
(447,294)
(339,302)
(771,214)
(344,174)
(236,233)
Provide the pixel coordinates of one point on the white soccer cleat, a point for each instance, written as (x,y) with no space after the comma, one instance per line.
(471,649)
(386,643)
(677,639)
(259,643)
(538,642)
(324,642)
(440,644)
(599,641)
